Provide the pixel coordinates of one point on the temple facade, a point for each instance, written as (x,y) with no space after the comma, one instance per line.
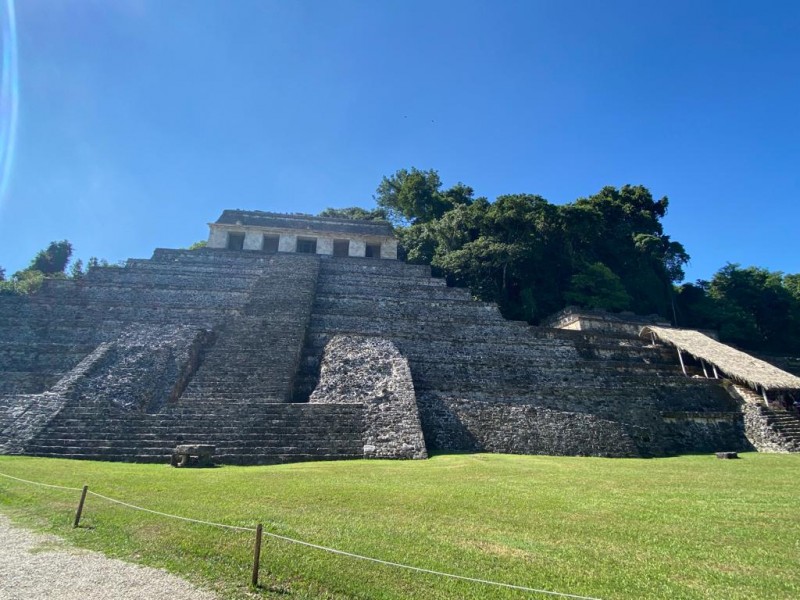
(259,231)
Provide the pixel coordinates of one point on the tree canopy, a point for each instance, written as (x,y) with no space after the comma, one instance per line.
(608,250)
(52,259)
(416,197)
(752,307)
(48,263)
(532,257)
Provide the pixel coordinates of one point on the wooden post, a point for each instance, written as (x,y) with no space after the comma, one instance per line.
(714,368)
(703,363)
(680,358)
(256,556)
(764,394)
(80,507)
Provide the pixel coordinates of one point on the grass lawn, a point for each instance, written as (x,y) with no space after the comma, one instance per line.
(685,527)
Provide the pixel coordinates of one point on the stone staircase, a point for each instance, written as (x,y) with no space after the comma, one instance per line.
(48,333)
(259,307)
(461,351)
(785,424)
(770,429)
(257,353)
(261,434)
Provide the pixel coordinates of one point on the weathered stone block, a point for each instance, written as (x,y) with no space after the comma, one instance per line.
(325,246)
(357,248)
(373,372)
(287,243)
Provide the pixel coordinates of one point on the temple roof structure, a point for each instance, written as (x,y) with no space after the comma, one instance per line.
(257,218)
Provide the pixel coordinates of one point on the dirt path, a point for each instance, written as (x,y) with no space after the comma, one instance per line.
(36,566)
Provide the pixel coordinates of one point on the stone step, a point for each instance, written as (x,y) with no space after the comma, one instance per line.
(166,430)
(234,458)
(371,268)
(276,410)
(136,446)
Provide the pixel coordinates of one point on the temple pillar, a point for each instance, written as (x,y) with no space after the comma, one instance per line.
(287,243)
(357,248)
(325,246)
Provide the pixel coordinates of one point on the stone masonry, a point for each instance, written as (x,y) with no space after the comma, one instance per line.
(277,356)
(373,372)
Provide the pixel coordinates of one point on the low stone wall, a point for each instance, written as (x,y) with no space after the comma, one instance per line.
(698,432)
(581,319)
(456,424)
(372,371)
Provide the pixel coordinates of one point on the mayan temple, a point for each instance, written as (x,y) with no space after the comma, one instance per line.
(292,337)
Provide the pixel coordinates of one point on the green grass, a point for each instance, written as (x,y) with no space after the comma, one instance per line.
(686,527)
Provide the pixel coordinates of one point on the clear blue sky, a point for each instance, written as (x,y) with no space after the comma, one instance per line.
(140,121)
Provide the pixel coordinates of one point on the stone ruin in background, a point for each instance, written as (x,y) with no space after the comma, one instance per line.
(293,337)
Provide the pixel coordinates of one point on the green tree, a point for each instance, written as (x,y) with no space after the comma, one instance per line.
(523,252)
(792,283)
(53,259)
(508,251)
(95,262)
(23,282)
(597,286)
(622,229)
(415,196)
(197,245)
(694,308)
(48,263)
(2,274)
(76,270)
(756,309)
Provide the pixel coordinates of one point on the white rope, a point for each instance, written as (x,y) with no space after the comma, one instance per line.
(317,546)
(155,512)
(49,485)
(429,571)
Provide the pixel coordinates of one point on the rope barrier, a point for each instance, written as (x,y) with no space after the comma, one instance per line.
(421,570)
(58,487)
(319,547)
(163,514)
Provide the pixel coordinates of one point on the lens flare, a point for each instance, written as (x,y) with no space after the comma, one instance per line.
(9,96)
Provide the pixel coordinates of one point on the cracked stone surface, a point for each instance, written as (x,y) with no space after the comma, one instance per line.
(359,369)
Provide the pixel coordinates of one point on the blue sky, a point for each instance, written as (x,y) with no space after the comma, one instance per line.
(139,121)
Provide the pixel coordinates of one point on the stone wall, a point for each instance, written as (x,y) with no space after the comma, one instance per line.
(163,379)
(480,382)
(372,371)
(598,320)
(486,383)
(760,425)
(697,432)
(455,424)
(26,416)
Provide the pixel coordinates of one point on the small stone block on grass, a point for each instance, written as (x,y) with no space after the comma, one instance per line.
(727,455)
(193,455)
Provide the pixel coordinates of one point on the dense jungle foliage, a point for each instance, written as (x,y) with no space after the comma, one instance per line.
(608,251)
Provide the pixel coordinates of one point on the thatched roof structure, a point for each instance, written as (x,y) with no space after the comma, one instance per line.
(735,365)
